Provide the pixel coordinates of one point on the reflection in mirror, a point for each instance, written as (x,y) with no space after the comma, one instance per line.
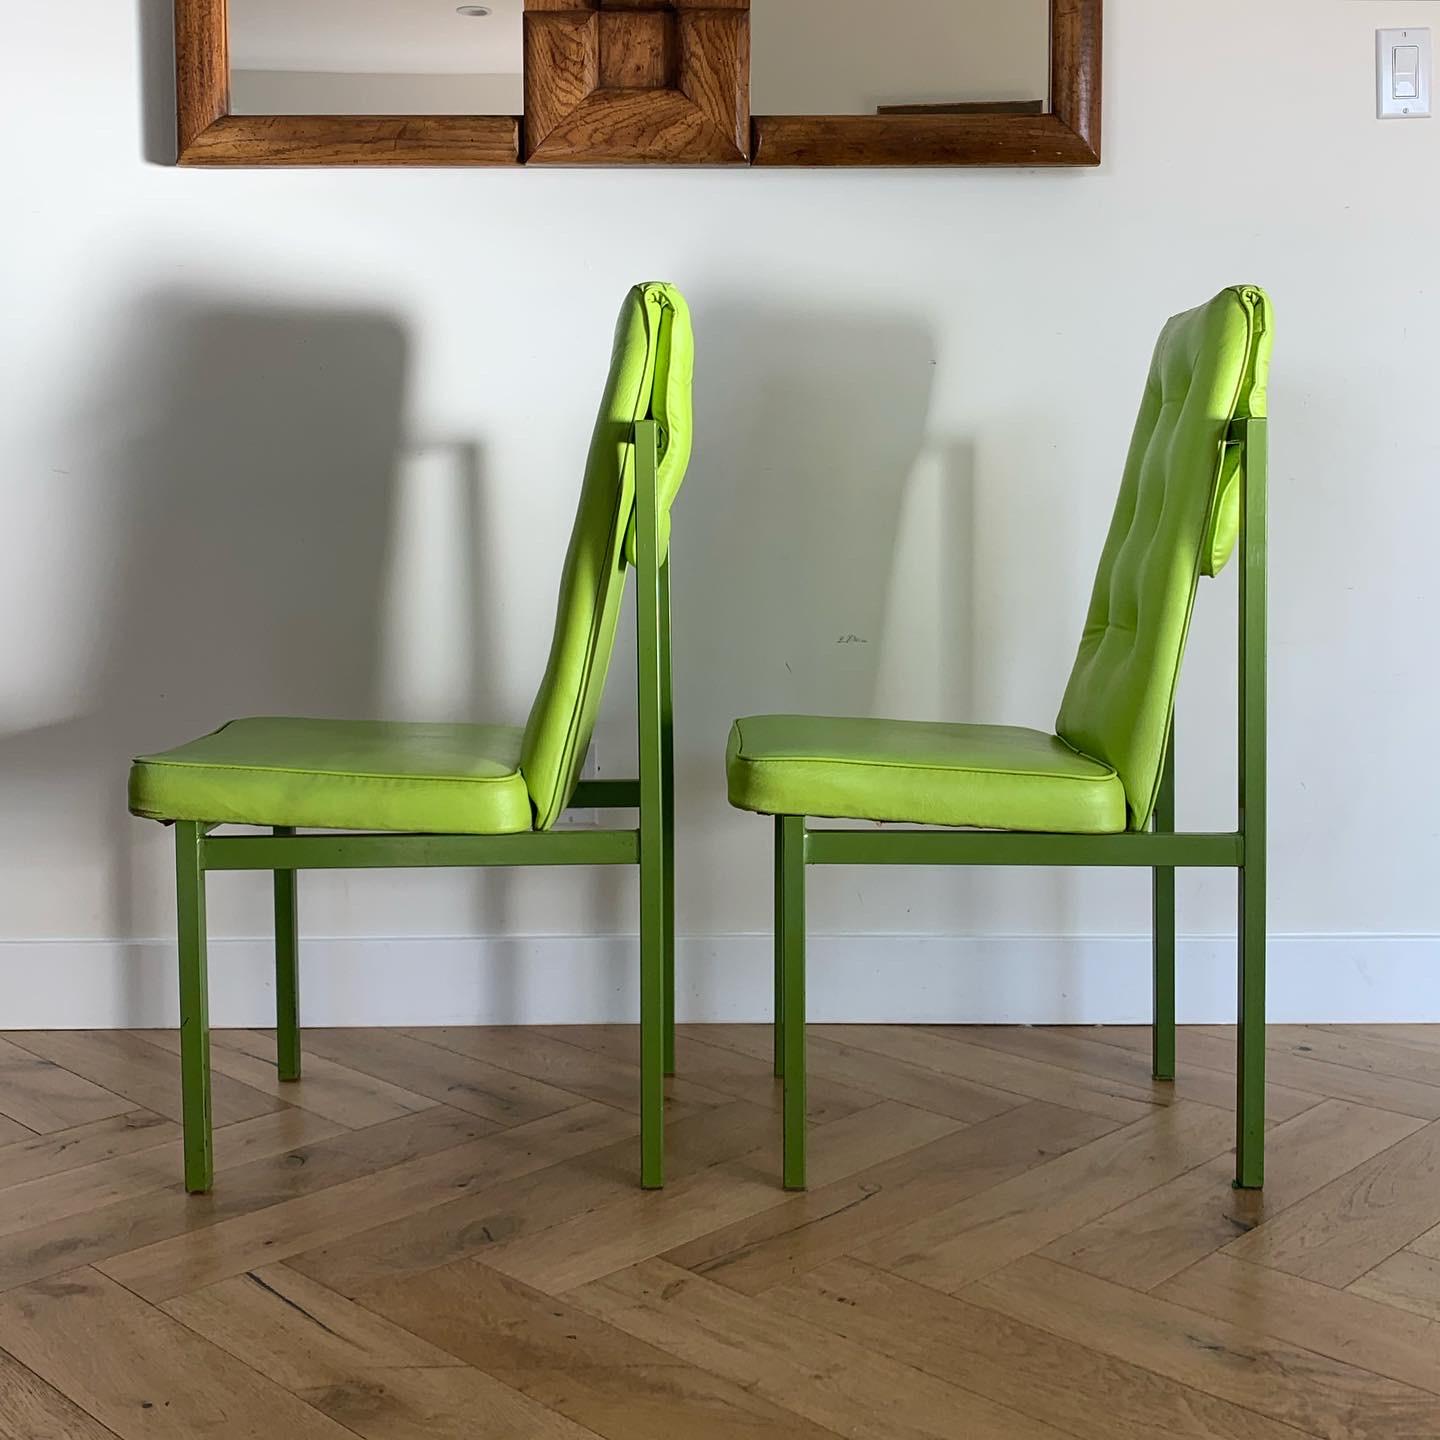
(376,57)
(867,57)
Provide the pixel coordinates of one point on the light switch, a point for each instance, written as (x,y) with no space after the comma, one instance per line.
(1403,65)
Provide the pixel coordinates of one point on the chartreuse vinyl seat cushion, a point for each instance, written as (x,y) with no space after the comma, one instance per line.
(989,776)
(341,775)
(470,779)
(1177,518)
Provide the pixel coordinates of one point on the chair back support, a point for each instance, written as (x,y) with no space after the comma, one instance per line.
(1177,518)
(651,370)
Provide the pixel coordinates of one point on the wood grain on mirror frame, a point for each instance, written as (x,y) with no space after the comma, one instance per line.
(637,82)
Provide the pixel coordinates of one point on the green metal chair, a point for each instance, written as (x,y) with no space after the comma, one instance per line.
(416,795)
(1101,789)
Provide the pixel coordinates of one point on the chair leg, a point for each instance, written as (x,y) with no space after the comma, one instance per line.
(287,972)
(1163,938)
(791,940)
(1250,1103)
(780,947)
(652,1008)
(668,811)
(194,1008)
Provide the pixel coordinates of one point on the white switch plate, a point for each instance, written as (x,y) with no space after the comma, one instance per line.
(1394,103)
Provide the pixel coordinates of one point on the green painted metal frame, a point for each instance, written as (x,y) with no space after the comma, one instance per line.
(1161,849)
(650,846)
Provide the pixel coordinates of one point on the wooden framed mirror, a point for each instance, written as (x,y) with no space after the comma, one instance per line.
(626,82)
(347,82)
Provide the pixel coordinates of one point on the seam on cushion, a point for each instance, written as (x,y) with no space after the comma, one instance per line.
(943,769)
(332,774)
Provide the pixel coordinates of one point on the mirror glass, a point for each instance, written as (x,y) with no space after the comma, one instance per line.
(376,57)
(867,57)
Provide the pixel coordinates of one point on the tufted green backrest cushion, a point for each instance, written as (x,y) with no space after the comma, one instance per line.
(651,370)
(1177,518)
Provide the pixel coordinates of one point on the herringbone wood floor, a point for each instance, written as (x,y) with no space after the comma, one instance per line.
(1010,1233)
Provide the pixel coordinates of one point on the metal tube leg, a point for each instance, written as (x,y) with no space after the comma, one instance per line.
(667,771)
(792,965)
(652,1010)
(287,972)
(1163,935)
(780,946)
(194,1008)
(1250,1105)
(1250,1067)
(654,948)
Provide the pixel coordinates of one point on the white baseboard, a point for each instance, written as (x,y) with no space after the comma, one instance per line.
(570,980)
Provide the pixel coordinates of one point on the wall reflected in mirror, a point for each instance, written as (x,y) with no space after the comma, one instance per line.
(376,57)
(868,57)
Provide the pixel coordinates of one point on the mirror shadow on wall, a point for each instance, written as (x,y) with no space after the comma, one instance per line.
(376,57)
(245,481)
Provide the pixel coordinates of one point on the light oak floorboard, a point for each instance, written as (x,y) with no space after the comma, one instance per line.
(1075,1388)
(301,1155)
(81,1145)
(849,1388)
(1077,1050)
(642,1225)
(513,1207)
(139,1372)
(1298,1387)
(1019,1074)
(459,1081)
(563,1357)
(830,1220)
(541,1055)
(32,1410)
(966,1097)
(39,1095)
(300,1334)
(138,1073)
(337,1092)
(171,1267)
(1352,1224)
(1184,1220)
(721,1068)
(1407,1280)
(1214,1049)
(989,1230)
(1346,1326)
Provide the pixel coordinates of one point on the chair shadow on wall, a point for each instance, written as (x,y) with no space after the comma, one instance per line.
(251,463)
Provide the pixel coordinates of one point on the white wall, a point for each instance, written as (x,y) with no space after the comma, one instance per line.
(308,441)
